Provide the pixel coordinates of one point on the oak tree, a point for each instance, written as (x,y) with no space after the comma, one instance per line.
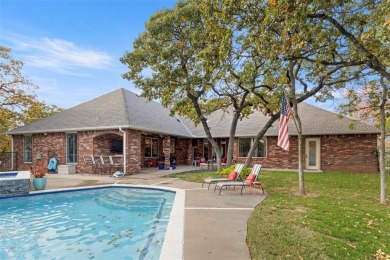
(18,103)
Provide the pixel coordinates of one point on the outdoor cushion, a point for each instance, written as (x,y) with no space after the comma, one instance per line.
(237,169)
(233,175)
(251,178)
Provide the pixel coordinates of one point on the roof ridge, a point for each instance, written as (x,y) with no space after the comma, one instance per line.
(182,123)
(126,110)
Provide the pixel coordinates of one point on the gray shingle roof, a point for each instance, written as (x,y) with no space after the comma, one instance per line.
(315,121)
(118,108)
(126,109)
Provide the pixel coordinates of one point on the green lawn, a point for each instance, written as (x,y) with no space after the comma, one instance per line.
(340,218)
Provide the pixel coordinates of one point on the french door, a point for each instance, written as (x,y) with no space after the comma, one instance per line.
(313,153)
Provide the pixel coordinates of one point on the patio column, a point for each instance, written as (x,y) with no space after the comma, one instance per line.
(133,151)
(167,148)
(188,158)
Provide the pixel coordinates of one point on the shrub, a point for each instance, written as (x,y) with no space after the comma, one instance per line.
(244,173)
(38,170)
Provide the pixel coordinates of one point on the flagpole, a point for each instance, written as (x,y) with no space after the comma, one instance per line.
(292,112)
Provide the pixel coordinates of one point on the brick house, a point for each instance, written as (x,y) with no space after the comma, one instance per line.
(123,124)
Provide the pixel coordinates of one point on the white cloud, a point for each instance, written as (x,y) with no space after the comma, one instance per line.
(59,54)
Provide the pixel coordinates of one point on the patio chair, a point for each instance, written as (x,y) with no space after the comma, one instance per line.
(203,164)
(233,176)
(150,163)
(114,164)
(95,165)
(105,165)
(252,177)
(87,163)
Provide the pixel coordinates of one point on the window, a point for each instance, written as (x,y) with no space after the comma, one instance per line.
(71,148)
(261,148)
(223,148)
(116,146)
(245,145)
(151,147)
(27,149)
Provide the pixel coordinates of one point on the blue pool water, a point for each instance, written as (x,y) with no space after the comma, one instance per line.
(103,223)
(8,174)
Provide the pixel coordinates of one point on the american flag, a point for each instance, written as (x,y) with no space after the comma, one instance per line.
(283,138)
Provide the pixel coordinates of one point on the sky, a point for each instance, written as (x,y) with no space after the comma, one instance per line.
(71,48)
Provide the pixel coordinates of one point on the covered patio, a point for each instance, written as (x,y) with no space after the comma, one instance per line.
(133,150)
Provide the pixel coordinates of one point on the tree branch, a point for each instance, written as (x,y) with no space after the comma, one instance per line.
(373,63)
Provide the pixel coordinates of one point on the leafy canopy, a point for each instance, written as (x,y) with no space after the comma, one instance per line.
(18,104)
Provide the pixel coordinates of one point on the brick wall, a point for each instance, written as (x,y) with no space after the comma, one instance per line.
(166,148)
(89,143)
(276,157)
(342,153)
(183,151)
(199,147)
(143,148)
(133,148)
(349,153)
(47,145)
(94,143)
(85,148)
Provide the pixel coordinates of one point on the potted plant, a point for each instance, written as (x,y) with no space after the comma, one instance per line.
(39,180)
(161,164)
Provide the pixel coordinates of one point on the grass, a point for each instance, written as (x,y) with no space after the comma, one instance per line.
(339,218)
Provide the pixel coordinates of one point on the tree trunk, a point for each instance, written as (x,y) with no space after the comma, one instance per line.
(232,135)
(259,136)
(206,128)
(233,127)
(382,149)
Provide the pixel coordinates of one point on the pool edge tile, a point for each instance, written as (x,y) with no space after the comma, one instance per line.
(172,248)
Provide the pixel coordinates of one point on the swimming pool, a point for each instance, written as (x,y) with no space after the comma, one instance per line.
(118,222)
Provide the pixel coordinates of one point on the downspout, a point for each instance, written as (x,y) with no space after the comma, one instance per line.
(124,150)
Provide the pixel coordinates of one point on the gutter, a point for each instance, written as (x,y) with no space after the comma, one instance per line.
(124,150)
(64,130)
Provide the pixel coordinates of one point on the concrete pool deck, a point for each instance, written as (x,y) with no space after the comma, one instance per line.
(215,226)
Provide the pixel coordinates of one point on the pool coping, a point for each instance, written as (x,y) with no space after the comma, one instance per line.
(19,175)
(173,244)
